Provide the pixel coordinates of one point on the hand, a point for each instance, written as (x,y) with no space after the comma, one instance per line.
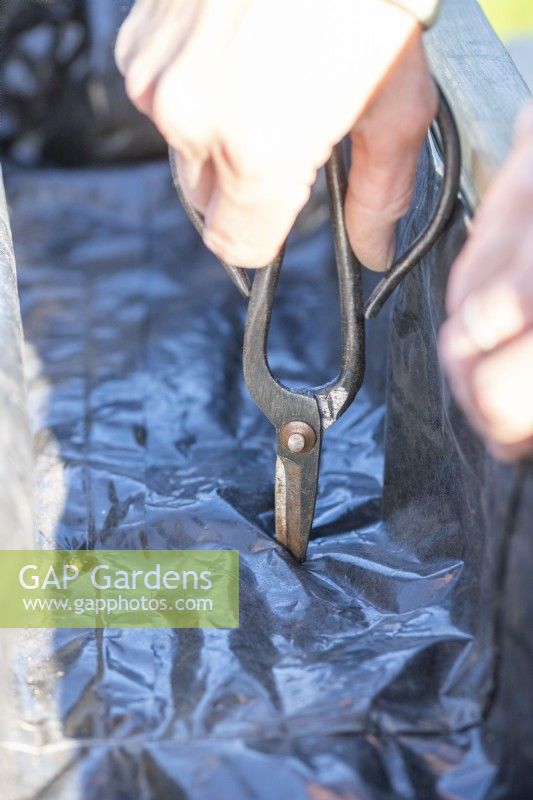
(487,342)
(253,94)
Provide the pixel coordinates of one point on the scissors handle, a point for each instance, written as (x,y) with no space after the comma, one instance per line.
(335,397)
(451,153)
(318,406)
(300,418)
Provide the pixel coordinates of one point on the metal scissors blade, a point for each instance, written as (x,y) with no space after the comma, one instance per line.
(296,485)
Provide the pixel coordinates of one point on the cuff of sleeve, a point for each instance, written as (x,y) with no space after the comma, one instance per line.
(425,11)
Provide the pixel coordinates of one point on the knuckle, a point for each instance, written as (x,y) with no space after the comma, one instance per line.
(181,116)
(250,186)
(244,168)
(237,159)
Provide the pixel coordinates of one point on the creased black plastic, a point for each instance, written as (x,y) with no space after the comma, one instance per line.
(369,671)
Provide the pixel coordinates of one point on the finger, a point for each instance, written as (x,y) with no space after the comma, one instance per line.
(493,314)
(150,42)
(248,219)
(385,150)
(487,390)
(197,180)
(129,35)
(379,193)
(502,392)
(459,373)
(150,27)
(187,98)
(500,223)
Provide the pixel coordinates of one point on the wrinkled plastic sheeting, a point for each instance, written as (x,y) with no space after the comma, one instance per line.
(367,672)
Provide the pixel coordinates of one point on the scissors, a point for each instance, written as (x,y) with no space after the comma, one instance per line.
(300,418)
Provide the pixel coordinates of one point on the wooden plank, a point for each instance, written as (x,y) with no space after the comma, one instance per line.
(483,86)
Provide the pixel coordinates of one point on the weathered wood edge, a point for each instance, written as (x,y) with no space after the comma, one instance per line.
(16,525)
(483,86)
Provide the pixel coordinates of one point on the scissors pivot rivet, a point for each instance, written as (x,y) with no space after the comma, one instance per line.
(296,443)
(298,437)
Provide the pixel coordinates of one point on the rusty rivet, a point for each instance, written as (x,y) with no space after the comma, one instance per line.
(298,437)
(296,442)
